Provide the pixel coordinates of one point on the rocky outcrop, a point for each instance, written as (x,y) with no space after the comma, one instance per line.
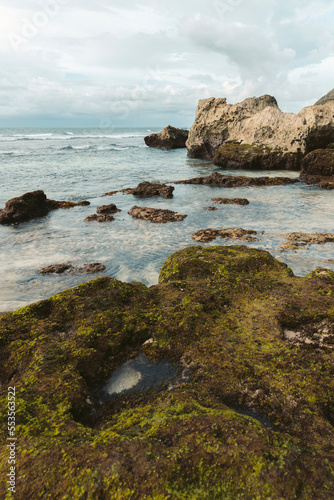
(236,233)
(297,240)
(30,206)
(253,419)
(258,122)
(230,201)
(168,138)
(233,155)
(318,168)
(229,181)
(158,216)
(107,209)
(326,98)
(147,190)
(90,268)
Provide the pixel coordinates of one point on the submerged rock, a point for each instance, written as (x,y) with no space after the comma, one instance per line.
(297,240)
(232,154)
(236,233)
(32,205)
(228,181)
(258,122)
(156,215)
(99,218)
(318,168)
(108,209)
(56,269)
(62,268)
(254,420)
(168,138)
(231,201)
(91,268)
(211,209)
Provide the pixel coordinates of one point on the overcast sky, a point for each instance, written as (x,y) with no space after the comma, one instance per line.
(147,62)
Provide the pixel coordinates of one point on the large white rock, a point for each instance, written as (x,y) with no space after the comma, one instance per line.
(259,121)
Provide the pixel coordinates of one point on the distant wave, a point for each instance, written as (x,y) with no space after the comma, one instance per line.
(65,136)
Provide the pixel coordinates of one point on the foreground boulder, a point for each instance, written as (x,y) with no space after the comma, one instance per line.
(32,205)
(255,123)
(229,181)
(253,418)
(318,168)
(168,138)
(156,215)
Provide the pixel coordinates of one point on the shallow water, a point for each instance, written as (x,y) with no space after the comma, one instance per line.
(83,164)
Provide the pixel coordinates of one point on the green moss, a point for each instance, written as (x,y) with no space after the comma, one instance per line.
(254,419)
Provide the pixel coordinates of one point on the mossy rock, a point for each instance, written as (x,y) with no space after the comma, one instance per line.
(255,157)
(254,420)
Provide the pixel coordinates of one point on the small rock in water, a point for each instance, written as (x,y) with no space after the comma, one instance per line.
(62,268)
(91,268)
(99,218)
(211,208)
(108,209)
(156,215)
(56,269)
(230,201)
(297,240)
(236,233)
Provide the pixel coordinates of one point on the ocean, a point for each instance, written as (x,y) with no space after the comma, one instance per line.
(84,163)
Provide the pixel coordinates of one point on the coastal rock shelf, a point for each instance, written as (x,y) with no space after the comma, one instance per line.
(297,240)
(229,181)
(258,346)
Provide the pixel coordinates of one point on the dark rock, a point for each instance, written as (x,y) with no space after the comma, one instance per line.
(236,233)
(71,204)
(147,190)
(168,138)
(91,268)
(56,269)
(219,180)
(156,215)
(108,209)
(99,218)
(255,157)
(231,201)
(212,209)
(318,168)
(30,206)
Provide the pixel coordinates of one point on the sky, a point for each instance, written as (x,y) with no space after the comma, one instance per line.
(104,63)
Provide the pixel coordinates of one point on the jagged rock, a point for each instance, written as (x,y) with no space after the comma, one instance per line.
(318,168)
(147,190)
(30,206)
(236,233)
(99,218)
(230,201)
(326,98)
(297,240)
(259,121)
(233,155)
(108,209)
(168,138)
(228,181)
(156,215)
(56,269)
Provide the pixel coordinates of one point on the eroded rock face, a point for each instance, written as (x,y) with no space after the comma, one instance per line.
(254,419)
(158,216)
(147,190)
(318,168)
(168,138)
(31,206)
(326,98)
(219,180)
(259,122)
(236,233)
(230,201)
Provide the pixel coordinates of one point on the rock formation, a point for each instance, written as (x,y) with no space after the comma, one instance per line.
(236,233)
(90,268)
(318,168)
(147,190)
(297,240)
(158,216)
(107,209)
(229,181)
(254,418)
(168,138)
(30,206)
(230,201)
(258,122)
(99,218)
(326,98)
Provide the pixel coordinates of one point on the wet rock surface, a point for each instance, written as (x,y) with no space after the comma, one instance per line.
(219,180)
(297,240)
(107,209)
(99,218)
(168,138)
(147,190)
(230,201)
(237,233)
(256,420)
(30,206)
(233,155)
(62,268)
(211,209)
(156,215)
(318,168)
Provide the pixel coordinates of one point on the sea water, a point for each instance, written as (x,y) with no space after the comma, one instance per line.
(83,164)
